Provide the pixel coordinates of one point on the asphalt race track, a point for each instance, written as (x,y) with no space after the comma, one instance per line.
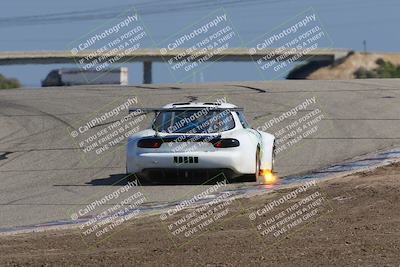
(43,175)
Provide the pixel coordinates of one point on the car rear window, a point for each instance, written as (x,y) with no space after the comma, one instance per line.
(194,121)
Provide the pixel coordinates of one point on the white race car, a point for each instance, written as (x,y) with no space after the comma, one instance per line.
(193,138)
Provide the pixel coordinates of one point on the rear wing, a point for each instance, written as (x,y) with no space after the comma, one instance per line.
(141,111)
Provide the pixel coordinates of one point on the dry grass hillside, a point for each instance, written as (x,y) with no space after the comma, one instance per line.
(344,69)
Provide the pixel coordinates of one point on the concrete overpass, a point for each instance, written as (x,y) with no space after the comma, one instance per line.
(148,56)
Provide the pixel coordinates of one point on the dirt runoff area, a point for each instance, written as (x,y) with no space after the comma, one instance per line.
(353,220)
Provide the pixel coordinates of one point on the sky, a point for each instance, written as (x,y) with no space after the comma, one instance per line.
(27,25)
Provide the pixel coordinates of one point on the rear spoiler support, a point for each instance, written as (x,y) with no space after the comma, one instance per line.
(141,111)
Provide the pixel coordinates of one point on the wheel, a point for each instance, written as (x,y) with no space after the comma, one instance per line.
(130,177)
(258,164)
(267,176)
(273,158)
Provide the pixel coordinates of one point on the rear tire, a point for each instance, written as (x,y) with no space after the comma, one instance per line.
(258,164)
(273,158)
(130,177)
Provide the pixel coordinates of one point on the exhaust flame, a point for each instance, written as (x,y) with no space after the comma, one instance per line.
(267,177)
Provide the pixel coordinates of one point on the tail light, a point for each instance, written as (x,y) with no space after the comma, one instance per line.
(228,142)
(157,142)
(150,143)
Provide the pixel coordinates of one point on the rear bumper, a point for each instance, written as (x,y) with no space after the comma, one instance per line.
(165,173)
(225,159)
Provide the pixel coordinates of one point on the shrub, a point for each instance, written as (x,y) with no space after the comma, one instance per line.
(8,83)
(385,70)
